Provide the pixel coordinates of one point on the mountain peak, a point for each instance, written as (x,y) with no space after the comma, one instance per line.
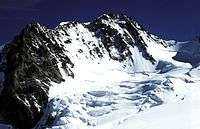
(112,16)
(40,57)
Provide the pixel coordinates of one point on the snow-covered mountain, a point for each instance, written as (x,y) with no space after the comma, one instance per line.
(188,52)
(106,74)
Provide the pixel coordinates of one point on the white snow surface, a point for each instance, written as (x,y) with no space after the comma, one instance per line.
(114,99)
(132,94)
(105,95)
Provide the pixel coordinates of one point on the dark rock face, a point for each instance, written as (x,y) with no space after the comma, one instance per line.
(111,37)
(29,66)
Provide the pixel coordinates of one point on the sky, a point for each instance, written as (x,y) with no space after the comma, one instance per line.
(168,19)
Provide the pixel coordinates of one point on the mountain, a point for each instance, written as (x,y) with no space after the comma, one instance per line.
(88,75)
(189,52)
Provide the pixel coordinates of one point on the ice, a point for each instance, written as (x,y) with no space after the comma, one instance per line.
(106,95)
(101,93)
(97,101)
(111,98)
(96,113)
(164,66)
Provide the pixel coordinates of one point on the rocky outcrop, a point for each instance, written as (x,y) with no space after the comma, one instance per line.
(29,64)
(104,28)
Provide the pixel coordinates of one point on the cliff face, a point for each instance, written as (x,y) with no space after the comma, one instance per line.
(28,66)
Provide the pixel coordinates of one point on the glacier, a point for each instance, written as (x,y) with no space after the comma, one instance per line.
(118,76)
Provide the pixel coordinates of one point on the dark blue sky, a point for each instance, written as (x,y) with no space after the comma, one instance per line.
(169,19)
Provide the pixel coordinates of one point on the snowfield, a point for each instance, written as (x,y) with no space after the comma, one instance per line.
(114,99)
(106,95)
(126,79)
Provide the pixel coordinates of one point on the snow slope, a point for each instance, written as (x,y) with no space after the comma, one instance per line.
(105,94)
(114,99)
(117,76)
